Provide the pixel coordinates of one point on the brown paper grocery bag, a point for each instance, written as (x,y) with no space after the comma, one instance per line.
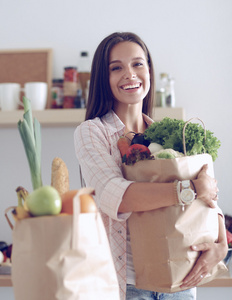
(63,258)
(161,239)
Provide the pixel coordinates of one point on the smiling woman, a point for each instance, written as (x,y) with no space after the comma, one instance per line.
(120,101)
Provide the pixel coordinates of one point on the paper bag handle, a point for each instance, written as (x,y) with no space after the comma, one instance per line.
(76,213)
(186,123)
(7,218)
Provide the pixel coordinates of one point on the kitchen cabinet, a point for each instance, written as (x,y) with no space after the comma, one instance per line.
(73,117)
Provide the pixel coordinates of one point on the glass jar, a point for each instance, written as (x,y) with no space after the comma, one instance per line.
(70,74)
(71,86)
(57,93)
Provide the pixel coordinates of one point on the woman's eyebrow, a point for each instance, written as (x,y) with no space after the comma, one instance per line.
(118,61)
(114,61)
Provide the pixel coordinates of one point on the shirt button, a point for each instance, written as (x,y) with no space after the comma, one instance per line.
(120,231)
(120,258)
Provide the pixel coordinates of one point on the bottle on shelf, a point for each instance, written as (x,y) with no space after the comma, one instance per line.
(160,98)
(79,101)
(170,93)
(167,90)
(84,63)
(84,67)
(160,94)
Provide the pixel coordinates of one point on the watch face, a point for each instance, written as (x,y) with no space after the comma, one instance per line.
(187,196)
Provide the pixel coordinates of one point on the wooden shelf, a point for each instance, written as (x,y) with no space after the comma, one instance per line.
(48,117)
(220,282)
(73,117)
(5,280)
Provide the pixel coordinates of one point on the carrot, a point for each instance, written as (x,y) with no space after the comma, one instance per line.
(123,144)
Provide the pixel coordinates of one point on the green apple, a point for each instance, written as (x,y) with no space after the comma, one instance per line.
(44,201)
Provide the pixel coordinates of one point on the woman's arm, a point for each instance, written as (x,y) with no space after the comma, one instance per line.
(212,254)
(144,196)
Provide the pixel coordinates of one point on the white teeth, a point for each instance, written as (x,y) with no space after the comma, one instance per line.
(131,86)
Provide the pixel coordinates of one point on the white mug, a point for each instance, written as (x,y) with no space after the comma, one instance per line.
(10,96)
(36,92)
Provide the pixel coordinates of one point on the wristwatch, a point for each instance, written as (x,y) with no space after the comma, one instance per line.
(187,195)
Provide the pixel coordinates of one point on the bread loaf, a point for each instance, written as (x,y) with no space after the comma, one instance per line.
(60,176)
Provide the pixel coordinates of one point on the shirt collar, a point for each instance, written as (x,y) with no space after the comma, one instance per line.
(147,120)
(114,124)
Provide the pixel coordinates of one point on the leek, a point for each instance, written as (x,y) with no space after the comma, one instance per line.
(30,133)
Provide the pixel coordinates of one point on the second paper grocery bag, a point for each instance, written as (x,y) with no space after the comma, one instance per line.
(63,257)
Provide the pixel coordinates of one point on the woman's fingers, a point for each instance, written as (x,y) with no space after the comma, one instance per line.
(199,271)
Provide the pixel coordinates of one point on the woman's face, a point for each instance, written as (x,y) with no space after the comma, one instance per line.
(129,73)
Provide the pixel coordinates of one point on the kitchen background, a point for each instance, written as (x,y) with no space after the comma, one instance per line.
(190,39)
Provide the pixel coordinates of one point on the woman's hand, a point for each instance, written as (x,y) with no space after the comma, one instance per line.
(206,187)
(211,255)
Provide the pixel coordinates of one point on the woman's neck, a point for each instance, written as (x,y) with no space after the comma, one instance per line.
(132,118)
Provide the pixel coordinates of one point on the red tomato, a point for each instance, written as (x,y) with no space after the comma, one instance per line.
(137,152)
(137,147)
(228,236)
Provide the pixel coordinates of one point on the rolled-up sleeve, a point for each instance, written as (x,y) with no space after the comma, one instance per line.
(99,160)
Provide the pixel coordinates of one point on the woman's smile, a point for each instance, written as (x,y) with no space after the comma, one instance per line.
(131,86)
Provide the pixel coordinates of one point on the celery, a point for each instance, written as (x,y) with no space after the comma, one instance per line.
(31,136)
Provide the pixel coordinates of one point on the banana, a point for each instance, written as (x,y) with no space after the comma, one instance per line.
(21,212)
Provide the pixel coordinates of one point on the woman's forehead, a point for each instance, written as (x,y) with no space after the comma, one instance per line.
(126,49)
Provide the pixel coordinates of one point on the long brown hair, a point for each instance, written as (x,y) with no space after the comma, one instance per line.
(100,99)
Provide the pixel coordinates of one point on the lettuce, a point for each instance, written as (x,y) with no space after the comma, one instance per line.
(169,134)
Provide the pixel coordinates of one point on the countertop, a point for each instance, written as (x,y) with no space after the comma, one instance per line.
(5,281)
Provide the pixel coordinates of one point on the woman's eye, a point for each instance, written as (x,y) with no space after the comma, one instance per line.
(115,68)
(138,64)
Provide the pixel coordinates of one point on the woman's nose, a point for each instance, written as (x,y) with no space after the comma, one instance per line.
(129,73)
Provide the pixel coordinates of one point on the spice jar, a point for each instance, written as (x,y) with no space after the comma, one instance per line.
(71,86)
(70,74)
(57,93)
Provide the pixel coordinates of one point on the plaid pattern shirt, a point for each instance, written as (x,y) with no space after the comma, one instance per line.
(100,162)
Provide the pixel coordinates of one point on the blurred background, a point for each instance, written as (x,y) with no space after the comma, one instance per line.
(190,40)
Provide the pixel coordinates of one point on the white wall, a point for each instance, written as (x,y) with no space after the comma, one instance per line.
(192,40)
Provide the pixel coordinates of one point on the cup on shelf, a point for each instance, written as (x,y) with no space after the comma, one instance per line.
(36,92)
(10,96)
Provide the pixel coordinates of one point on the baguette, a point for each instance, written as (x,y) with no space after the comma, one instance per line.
(60,176)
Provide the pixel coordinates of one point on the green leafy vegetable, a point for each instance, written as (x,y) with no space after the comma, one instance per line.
(167,154)
(31,136)
(169,134)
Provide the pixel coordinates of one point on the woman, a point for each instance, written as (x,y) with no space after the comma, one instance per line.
(120,101)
